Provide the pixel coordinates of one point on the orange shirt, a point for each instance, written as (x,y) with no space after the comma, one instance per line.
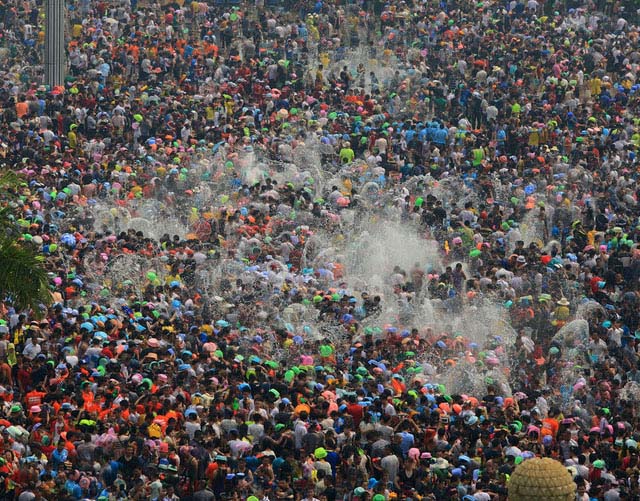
(34,398)
(135,52)
(180,45)
(210,48)
(22,108)
(549,427)
(69,446)
(102,413)
(88,397)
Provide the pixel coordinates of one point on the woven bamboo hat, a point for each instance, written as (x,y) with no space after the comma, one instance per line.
(541,478)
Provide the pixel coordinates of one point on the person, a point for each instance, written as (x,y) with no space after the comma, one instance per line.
(390,464)
(310,496)
(204,494)
(128,463)
(154,486)
(59,456)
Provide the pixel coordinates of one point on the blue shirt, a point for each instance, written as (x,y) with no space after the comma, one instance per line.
(440,136)
(409,135)
(58,457)
(73,489)
(406,442)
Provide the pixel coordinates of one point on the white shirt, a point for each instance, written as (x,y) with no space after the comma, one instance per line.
(389,409)
(256,431)
(541,403)
(191,427)
(299,432)
(391,465)
(31,350)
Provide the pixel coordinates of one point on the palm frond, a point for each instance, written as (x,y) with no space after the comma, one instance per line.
(23,277)
(10,179)
(10,182)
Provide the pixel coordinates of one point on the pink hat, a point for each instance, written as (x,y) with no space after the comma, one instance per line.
(153,342)
(163,378)
(35,409)
(414,453)
(329,395)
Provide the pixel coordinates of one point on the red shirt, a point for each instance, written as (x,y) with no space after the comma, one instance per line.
(594,284)
(356,412)
(106,351)
(24,376)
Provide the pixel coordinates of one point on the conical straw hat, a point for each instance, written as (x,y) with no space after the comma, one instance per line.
(541,479)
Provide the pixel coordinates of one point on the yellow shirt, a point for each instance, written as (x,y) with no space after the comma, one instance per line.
(73,140)
(561,313)
(170,278)
(314,34)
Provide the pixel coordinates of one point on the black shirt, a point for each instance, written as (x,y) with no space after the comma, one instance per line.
(129,466)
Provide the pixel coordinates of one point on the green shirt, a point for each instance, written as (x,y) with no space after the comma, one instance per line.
(346,155)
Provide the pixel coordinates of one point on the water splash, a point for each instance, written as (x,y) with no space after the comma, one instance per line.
(383,245)
(370,240)
(631,393)
(573,337)
(589,310)
(151,217)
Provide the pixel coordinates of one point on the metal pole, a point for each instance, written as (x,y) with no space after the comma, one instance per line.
(54,57)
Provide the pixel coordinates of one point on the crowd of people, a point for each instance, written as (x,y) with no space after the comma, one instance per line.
(229,348)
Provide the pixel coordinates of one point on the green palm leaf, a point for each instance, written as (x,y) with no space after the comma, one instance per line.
(23,277)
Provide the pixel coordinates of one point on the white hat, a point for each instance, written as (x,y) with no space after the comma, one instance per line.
(439,464)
